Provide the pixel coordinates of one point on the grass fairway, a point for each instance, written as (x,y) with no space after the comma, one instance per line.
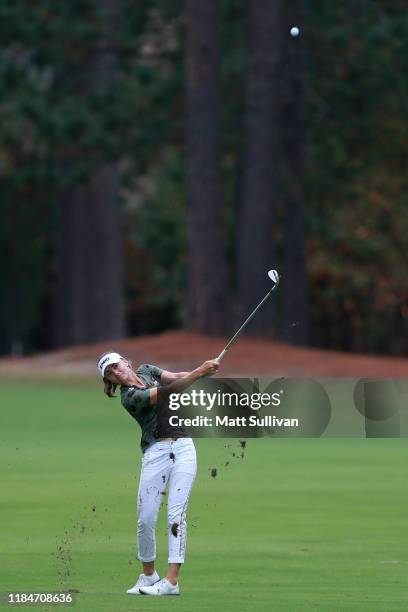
(296,525)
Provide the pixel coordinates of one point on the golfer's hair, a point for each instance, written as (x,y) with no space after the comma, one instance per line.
(109,387)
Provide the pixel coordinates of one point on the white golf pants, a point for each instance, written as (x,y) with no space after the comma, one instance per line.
(171,465)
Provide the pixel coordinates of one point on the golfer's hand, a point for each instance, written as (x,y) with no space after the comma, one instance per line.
(210,367)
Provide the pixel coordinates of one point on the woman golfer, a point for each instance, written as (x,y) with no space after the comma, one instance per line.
(169,460)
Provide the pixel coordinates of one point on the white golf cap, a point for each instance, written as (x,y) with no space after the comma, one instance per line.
(107,360)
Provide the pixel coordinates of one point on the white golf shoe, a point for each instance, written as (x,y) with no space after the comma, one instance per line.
(162,587)
(144,581)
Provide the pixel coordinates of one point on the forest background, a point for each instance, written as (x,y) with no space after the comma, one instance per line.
(157,158)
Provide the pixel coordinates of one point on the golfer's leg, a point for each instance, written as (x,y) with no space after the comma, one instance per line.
(180,488)
(181,482)
(152,485)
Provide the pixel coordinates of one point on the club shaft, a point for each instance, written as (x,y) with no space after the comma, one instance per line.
(245,323)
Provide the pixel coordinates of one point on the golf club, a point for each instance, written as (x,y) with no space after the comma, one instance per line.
(274,276)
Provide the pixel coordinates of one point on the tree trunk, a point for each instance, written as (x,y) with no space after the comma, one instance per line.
(206,227)
(256,218)
(295,311)
(89,305)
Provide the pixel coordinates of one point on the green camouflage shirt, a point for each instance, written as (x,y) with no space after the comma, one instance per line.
(152,418)
(137,403)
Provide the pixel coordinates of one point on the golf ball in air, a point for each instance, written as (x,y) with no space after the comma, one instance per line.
(294,31)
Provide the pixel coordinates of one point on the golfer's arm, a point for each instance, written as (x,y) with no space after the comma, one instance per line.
(168,377)
(153,396)
(176,386)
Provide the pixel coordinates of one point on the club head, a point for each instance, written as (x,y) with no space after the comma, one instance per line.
(274,276)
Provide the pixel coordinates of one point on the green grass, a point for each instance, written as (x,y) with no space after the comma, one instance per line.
(297,525)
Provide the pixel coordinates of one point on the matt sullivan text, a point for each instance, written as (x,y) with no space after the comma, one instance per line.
(226,421)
